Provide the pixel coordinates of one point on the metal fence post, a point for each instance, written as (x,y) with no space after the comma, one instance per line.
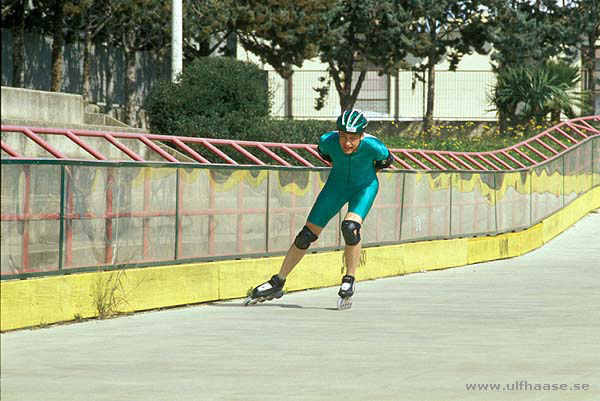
(451,190)
(531,196)
(592,143)
(26,218)
(496,200)
(178,199)
(61,233)
(108,222)
(402,205)
(146,218)
(267,206)
(563,180)
(211,216)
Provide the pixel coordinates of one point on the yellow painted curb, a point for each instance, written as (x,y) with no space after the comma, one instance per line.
(40,301)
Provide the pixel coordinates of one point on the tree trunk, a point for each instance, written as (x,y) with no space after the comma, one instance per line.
(348,95)
(57,47)
(288,93)
(428,121)
(130,78)
(346,101)
(502,122)
(555,116)
(342,88)
(87,52)
(109,76)
(18,32)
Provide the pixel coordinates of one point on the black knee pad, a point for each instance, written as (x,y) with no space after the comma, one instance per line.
(351,232)
(304,238)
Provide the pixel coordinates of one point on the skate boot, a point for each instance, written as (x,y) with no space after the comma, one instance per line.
(346,291)
(267,291)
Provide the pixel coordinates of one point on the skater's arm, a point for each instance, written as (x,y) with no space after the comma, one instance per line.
(382,155)
(381,164)
(322,147)
(323,155)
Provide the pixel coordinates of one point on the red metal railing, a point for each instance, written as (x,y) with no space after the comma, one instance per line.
(538,149)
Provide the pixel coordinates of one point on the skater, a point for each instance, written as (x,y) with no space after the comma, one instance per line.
(355,157)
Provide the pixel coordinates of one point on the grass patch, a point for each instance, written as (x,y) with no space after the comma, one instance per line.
(462,138)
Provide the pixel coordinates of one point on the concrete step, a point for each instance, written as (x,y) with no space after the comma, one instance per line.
(75,126)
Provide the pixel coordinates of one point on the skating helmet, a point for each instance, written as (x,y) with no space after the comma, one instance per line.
(352,121)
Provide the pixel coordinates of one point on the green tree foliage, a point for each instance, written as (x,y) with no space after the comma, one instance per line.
(15,14)
(52,21)
(283,33)
(443,28)
(138,25)
(526,92)
(208,23)
(523,32)
(363,34)
(212,91)
(220,97)
(90,18)
(348,35)
(583,18)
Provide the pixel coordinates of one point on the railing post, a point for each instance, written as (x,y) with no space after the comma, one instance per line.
(61,232)
(145,218)
(267,217)
(178,208)
(239,219)
(108,216)
(496,201)
(26,217)
(292,215)
(402,205)
(451,190)
(592,166)
(69,218)
(530,172)
(211,216)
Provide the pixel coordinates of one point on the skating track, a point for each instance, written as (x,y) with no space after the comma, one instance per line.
(533,319)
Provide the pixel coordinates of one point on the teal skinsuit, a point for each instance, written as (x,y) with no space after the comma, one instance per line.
(352,179)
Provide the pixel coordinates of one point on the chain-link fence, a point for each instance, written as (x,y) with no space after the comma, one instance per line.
(459,95)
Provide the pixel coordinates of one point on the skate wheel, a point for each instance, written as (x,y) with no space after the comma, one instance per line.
(344,303)
(277,295)
(250,301)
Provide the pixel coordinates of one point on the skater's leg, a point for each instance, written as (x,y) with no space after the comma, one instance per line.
(352,249)
(295,254)
(352,257)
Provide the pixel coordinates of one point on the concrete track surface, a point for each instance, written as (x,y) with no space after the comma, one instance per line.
(519,323)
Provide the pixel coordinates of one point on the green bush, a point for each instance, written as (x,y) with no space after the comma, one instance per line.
(533,92)
(224,98)
(211,89)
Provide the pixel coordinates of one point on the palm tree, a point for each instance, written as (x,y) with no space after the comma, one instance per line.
(532,92)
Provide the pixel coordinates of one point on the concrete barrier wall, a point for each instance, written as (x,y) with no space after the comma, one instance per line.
(41,301)
(26,104)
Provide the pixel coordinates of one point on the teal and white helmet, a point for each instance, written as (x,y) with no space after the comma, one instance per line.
(352,121)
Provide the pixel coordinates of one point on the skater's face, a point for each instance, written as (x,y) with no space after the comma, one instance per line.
(349,141)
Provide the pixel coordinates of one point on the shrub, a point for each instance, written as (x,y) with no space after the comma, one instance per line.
(224,98)
(211,90)
(533,92)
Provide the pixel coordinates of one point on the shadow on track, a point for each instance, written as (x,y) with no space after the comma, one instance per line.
(263,305)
